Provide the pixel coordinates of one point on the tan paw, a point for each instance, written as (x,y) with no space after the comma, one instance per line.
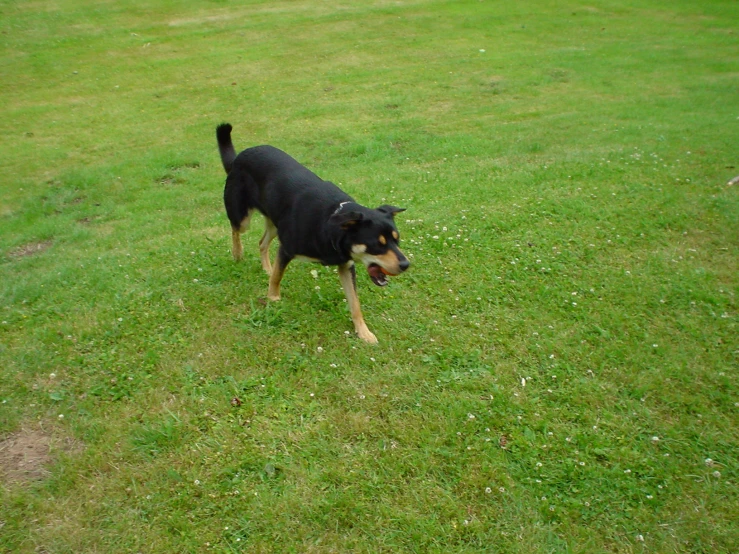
(367,336)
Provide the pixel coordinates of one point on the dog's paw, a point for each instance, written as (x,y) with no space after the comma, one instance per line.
(367,336)
(273,297)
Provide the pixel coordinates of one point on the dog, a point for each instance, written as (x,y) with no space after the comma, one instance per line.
(314,220)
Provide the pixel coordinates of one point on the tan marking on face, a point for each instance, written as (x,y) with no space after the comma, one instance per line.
(396,236)
(383,240)
(359,248)
(388,261)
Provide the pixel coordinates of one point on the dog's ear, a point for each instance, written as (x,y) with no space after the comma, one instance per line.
(346,220)
(392,210)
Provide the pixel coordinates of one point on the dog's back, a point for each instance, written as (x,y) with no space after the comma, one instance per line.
(271,181)
(261,161)
(270,165)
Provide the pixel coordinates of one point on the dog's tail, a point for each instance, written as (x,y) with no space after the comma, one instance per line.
(225,146)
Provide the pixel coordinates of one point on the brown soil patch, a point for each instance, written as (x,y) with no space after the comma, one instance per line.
(25,455)
(30,249)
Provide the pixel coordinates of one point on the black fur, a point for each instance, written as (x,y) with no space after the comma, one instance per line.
(314,218)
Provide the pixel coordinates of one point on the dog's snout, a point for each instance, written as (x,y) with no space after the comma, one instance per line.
(404,264)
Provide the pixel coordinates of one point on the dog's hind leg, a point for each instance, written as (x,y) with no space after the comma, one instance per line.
(237,250)
(348,278)
(270,232)
(278,270)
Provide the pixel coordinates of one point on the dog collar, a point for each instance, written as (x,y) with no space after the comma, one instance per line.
(341,206)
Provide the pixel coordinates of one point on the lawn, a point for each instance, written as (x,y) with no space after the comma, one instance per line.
(557,372)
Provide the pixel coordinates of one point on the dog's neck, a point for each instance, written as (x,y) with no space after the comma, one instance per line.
(341,206)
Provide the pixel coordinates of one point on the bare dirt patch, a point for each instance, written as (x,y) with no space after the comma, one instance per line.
(30,249)
(26,454)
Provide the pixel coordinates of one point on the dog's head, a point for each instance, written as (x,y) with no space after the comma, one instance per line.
(373,239)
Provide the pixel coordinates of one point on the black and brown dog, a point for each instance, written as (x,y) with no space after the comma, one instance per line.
(314,219)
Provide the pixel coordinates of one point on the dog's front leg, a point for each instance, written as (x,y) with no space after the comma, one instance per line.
(278,270)
(348,278)
(270,232)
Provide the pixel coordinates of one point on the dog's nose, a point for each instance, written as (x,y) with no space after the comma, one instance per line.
(404,264)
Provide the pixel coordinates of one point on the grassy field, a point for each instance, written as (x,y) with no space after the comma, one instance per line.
(556,373)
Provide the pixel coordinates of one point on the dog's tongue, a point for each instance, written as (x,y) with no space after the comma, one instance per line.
(377,276)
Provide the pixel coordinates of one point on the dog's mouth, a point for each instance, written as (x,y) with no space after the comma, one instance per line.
(377,275)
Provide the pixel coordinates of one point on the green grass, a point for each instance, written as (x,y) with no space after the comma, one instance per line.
(556,373)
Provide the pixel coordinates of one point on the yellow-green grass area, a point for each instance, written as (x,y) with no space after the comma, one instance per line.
(557,372)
